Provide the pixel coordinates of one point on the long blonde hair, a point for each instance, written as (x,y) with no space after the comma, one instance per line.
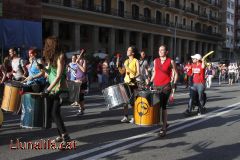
(51,50)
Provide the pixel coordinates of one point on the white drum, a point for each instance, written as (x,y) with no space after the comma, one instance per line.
(117,95)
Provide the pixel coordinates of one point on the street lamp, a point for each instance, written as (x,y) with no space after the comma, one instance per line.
(175,40)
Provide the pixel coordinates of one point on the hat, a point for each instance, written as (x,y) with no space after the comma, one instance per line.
(196,56)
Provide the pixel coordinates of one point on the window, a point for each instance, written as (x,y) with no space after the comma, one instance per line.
(228,3)
(231,28)
(204,27)
(232,5)
(192,7)
(135,11)
(88,4)
(228,29)
(205,11)
(228,15)
(191,25)
(106,6)
(231,16)
(121,8)
(209,29)
(167,19)
(120,36)
(144,41)
(184,4)
(47,28)
(227,40)
(103,35)
(177,4)
(184,21)
(176,21)
(158,17)
(84,33)
(147,14)
(67,3)
(198,27)
(65,31)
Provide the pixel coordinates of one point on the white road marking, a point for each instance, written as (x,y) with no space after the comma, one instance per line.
(201,119)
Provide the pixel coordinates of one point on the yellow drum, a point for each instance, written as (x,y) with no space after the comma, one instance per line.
(1,118)
(146,108)
(11,97)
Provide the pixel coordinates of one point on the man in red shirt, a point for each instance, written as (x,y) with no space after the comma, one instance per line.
(161,78)
(188,72)
(198,71)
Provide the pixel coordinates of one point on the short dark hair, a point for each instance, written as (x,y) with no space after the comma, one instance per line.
(165,46)
(12,48)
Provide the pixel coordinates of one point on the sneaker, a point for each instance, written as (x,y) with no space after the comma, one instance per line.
(65,141)
(132,120)
(204,109)
(58,139)
(187,112)
(74,104)
(125,119)
(80,112)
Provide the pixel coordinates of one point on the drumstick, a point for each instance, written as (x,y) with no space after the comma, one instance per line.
(209,53)
(35,94)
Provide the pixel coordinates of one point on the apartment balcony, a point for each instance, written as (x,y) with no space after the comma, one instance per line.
(217,19)
(191,11)
(159,3)
(176,6)
(205,2)
(203,16)
(126,16)
(238,27)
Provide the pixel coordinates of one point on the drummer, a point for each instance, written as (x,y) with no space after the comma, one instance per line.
(161,78)
(36,73)
(131,73)
(5,74)
(5,70)
(143,65)
(18,66)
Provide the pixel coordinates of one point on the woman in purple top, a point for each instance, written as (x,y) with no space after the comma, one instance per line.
(74,86)
(81,77)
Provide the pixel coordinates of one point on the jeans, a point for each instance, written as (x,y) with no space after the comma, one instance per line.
(200,89)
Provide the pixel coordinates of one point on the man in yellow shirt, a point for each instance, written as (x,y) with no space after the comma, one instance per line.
(131,73)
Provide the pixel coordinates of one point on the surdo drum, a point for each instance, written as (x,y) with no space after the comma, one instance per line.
(11,97)
(146,108)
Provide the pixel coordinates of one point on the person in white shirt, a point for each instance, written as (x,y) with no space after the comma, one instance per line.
(18,66)
(236,73)
(231,73)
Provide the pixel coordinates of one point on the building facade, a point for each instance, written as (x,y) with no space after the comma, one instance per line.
(228,30)
(237,29)
(21,10)
(185,26)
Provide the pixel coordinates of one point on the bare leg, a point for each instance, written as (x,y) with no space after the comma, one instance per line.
(164,119)
(125,111)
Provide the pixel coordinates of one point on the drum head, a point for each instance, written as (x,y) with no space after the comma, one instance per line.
(14,84)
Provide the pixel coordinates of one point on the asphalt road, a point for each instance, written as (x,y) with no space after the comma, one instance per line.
(99,134)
